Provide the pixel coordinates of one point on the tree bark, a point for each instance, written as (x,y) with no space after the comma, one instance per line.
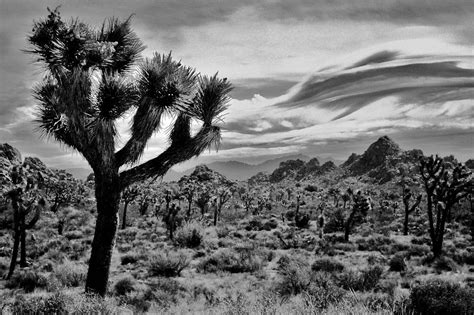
(188,214)
(23,262)
(108,200)
(405,223)
(16,243)
(124,216)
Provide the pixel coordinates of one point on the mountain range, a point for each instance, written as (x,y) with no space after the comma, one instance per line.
(235,170)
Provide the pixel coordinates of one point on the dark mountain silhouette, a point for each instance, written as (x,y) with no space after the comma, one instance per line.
(237,170)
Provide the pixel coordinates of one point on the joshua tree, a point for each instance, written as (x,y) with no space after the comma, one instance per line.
(27,205)
(247,198)
(202,200)
(359,211)
(444,187)
(129,194)
(189,192)
(407,195)
(335,192)
(223,196)
(171,219)
(93,78)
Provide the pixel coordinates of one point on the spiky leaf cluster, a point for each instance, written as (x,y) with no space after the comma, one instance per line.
(96,76)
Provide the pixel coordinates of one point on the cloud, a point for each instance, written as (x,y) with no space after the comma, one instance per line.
(382,93)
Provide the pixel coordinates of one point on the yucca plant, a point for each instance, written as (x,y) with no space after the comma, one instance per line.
(93,78)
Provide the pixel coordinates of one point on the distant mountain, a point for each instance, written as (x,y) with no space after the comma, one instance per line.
(297,170)
(203,174)
(237,170)
(382,161)
(79,173)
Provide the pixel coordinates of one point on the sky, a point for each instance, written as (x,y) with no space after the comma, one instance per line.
(322,78)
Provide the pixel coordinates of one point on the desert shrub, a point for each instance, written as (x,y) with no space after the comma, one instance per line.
(54,304)
(163,292)
(328,265)
(294,273)
(124,286)
(442,263)
(223,231)
(92,304)
(130,258)
(70,274)
(397,263)
(322,291)
(335,221)
(311,188)
(363,280)
(441,297)
(302,220)
(270,225)
(169,264)
(26,280)
(231,260)
(464,257)
(190,235)
(254,224)
(74,235)
(418,250)
(373,243)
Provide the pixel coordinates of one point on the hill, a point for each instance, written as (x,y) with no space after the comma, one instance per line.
(380,163)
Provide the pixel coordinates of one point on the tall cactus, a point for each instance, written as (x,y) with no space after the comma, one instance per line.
(93,78)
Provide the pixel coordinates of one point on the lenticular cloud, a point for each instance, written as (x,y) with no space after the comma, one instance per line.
(386,90)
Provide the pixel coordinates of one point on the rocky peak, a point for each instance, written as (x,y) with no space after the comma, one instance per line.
(202,173)
(377,154)
(10,153)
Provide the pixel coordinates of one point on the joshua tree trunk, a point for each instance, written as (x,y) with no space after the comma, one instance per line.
(108,200)
(348,226)
(124,216)
(16,243)
(188,214)
(23,262)
(405,224)
(216,212)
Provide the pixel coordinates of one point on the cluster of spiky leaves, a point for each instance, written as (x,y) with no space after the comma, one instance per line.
(95,76)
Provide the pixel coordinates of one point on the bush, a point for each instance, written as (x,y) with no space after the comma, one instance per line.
(231,260)
(335,221)
(363,280)
(124,286)
(26,280)
(397,263)
(294,273)
(190,235)
(322,291)
(131,258)
(168,265)
(441,297)
(327,264)
(54,304)
(70,274)
(311,188)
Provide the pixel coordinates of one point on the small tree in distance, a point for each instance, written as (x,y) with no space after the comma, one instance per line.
(93,77)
